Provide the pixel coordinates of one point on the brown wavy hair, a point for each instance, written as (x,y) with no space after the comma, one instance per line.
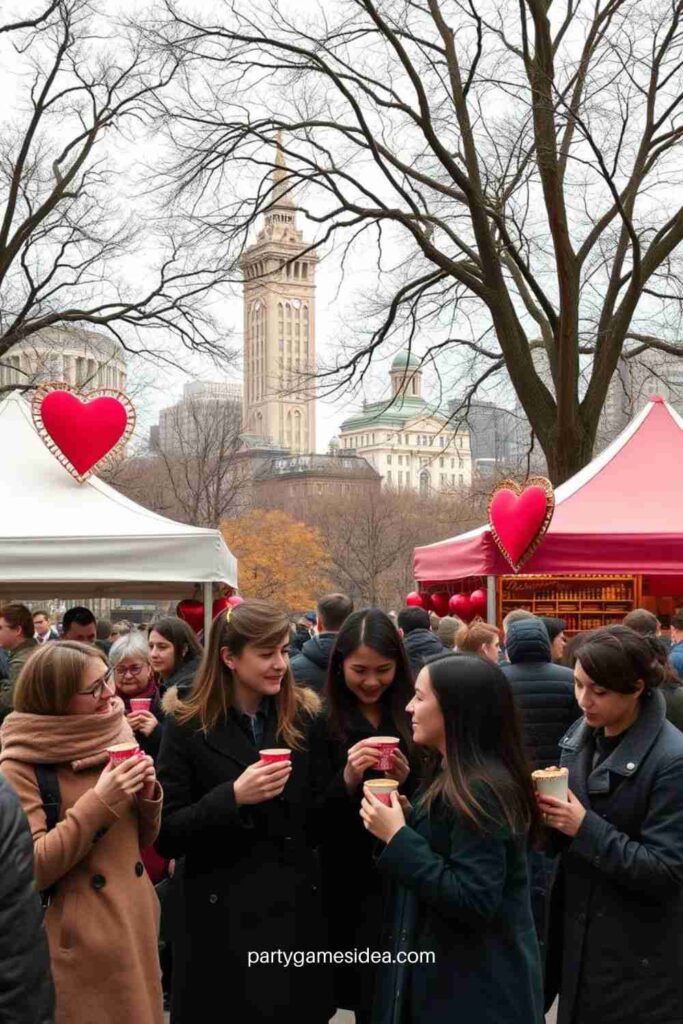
(52,675)
(213,690)
(470,638)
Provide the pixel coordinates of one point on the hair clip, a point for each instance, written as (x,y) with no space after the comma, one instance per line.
(228,613)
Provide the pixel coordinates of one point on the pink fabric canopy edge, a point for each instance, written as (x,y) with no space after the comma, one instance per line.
(621,514)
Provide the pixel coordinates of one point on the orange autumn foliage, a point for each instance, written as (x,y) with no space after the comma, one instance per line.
(279,559)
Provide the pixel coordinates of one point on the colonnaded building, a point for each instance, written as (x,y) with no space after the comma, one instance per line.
(83,358)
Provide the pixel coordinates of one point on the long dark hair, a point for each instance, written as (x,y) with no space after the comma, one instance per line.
(369,627)
(213,691)
(484,747)
(617,658)
(186,646)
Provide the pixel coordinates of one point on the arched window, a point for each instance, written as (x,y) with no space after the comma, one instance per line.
(424,483)
(297,429)
(288,430)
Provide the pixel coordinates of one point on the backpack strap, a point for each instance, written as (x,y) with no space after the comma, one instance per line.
(51,797)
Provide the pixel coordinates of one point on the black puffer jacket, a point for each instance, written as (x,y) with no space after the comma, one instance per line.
(543,692)
(26,994)
(310,665)
(422,644)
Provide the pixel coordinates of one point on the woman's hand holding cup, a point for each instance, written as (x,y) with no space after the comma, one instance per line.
(400,768)
(142,721)
(360,757)
(123,780)
(260,782)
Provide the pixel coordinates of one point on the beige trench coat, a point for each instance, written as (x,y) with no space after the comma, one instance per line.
(102,922)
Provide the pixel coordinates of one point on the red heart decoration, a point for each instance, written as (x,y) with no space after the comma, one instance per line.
(82,431)
(519,517)
(415,600)
(191,612)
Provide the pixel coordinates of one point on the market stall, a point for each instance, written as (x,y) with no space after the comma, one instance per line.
(61,537)
(615,541)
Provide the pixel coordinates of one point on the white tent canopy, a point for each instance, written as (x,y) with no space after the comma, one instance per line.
(60,538)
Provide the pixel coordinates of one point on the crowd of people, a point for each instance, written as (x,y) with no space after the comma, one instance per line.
(354,783)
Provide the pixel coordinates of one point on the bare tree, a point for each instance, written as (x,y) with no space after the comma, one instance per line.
(78,244)
(193,471)
(517,164)
(371,536)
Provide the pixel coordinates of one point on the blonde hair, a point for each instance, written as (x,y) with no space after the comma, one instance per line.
(51,677)
(470,638)
(213,691)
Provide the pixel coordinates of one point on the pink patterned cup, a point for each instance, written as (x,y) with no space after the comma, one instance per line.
(120,752)
(386,746)
(275,754)
(140,703)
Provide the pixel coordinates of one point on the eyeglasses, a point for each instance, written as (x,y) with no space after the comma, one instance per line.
(98,689)
(131,670)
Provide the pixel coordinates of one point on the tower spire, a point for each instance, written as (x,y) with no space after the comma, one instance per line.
(281,179)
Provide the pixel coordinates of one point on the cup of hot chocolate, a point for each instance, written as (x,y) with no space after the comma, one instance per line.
(386,746)
(275,754)
(382,789)
(552,782)
(120,752)
(140,703)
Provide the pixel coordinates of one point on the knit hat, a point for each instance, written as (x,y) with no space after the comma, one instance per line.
(554,626)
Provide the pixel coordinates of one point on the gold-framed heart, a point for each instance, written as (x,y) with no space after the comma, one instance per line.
(84,431)
(519,516)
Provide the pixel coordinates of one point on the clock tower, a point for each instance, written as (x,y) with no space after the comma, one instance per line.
(279,325)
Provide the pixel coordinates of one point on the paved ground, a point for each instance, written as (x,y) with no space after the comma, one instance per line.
(344,1017)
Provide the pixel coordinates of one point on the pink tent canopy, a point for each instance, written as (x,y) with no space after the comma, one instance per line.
(623,513)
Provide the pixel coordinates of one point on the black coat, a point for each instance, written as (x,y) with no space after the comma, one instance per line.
(463,896)
(420,645)
(251,881)
(543,693)
(310,664)
(353,892)
(150,744)
(26,993)
(620,938)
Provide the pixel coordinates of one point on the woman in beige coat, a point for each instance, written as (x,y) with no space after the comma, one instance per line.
(102,919)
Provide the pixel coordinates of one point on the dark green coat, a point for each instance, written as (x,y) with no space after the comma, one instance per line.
(465,897)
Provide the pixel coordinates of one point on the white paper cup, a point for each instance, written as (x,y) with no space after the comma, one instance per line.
(552,782)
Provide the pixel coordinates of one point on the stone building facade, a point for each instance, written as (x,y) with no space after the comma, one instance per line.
(83,358)
(408,440)
(279,326)
(293,482)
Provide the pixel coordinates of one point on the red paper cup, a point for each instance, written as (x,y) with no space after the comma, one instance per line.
(274,755)
(382,789)
(140,703)
(120,752)
(386,745)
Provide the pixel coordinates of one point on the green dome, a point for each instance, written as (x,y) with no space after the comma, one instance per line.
(404,359)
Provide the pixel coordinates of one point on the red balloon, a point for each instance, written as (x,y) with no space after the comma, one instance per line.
(415,600)
(235,601)
(440,603)
(221,604)
(191,612)
(479,602)
(461,606)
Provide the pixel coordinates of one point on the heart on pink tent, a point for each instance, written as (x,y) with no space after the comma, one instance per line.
(82,431)
(520,516)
